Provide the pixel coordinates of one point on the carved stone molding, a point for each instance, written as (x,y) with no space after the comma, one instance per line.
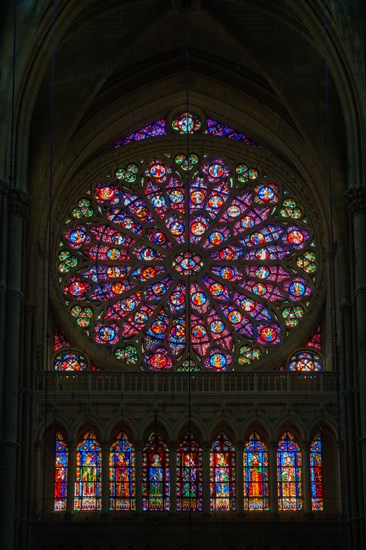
(19,202)
(356,198)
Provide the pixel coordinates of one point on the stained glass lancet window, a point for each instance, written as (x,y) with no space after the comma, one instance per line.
(145,248)
(61,470)
(255,463)
(316,474)
(289,474)
(222,474)
(122,475)
(189,475)
(88,476)
(155,474)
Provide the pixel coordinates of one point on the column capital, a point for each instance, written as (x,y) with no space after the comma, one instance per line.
(19,202)
(356,198)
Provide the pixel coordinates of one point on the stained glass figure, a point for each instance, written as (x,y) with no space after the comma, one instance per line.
(316,340)
(222,475)
(155,129)
(155,474)
(122,475)
(223,249)
(59,340)
(305,361)
(61,465)
(316,474)
(255,474)
(88,477)
(70,361)
(289,474)
(189,475)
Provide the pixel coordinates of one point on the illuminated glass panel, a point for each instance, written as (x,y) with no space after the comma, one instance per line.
(88,478)
(122,475)
(316,474)
(59,340)
(255,474)
(70,361)
(219,129)
(223,247)
(316,340)
(155,474)
(222,475)
(61,465)
(155,129)
(289,474)
(186,123)
(189,475)
(305,361)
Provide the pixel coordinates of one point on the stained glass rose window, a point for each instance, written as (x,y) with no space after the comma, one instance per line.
(187,261)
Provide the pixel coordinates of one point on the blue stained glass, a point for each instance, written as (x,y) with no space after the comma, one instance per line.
(155,129)
(219,129)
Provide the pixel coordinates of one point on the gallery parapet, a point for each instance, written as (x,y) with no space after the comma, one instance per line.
(201,383)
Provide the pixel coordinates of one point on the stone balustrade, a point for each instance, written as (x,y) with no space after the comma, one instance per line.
(208,384)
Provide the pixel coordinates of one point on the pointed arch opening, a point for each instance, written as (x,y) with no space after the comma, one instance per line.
(222,474)
(88,475)
(255,466)
(189,475)
(122,474)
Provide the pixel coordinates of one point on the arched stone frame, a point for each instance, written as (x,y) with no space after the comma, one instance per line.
(302,502)
(257,425)
(331,463)
(278,169)
(44,462)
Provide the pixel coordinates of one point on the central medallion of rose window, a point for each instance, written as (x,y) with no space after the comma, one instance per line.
(129,248)
(188,263)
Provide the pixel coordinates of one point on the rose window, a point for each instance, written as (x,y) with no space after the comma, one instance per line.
(187,264)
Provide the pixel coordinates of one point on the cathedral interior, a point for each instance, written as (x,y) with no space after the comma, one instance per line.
(183,275)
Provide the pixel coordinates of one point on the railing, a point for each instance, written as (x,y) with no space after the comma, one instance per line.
(137,383)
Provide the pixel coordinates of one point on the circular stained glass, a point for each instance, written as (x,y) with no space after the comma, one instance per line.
(216,269)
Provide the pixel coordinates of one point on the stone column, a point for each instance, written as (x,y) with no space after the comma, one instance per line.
(138,464)
(71,480)
(17,210)
(272,466)
(172,446)
(105,479)
(239,477)
(206,447)
(356,198)
(3,276)
(306,479)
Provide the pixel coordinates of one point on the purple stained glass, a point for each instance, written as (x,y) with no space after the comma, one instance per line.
(218,129)
(156,129)
(158,247)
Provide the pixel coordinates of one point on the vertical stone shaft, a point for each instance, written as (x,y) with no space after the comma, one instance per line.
(356,197)
(17,208)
